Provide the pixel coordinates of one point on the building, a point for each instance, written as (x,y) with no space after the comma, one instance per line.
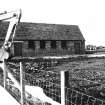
(91,47)
(39,39)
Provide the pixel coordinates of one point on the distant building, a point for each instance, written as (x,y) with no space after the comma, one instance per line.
(39,39)
(100,47)
(91,47)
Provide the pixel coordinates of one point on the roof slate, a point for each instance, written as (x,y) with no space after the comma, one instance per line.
(42,31)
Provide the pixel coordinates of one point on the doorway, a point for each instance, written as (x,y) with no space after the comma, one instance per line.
(18,49)
(77,47)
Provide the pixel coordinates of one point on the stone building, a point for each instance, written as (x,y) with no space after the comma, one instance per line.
(39,39)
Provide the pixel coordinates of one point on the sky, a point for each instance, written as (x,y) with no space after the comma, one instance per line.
(89,15)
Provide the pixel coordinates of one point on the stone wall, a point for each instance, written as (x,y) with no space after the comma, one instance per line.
(1,43)
(48,50)
(70,45)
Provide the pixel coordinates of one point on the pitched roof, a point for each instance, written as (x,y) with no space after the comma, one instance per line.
(39,31)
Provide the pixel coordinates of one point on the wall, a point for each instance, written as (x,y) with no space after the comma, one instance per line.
(1,43)
(48,50)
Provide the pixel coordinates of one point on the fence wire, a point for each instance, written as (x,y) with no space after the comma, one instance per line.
(74,97)
(49,81)
(51,84)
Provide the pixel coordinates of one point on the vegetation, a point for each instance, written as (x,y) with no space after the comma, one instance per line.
(86,76)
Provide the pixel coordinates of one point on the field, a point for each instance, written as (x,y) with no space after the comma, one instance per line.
(87,80)
(86,77)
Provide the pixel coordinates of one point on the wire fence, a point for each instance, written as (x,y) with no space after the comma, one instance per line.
(85,88)
(74,97)
(78,91)
(34,75)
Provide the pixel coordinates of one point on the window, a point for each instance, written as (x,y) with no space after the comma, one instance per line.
(53,44)
(42,44)
(64,44)
(31,44)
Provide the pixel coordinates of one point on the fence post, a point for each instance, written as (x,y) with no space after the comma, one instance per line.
(64,83)
(62,87)
(67,79)
(4,73)
(22,85)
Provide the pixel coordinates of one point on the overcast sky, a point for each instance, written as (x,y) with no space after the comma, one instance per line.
(88,14)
